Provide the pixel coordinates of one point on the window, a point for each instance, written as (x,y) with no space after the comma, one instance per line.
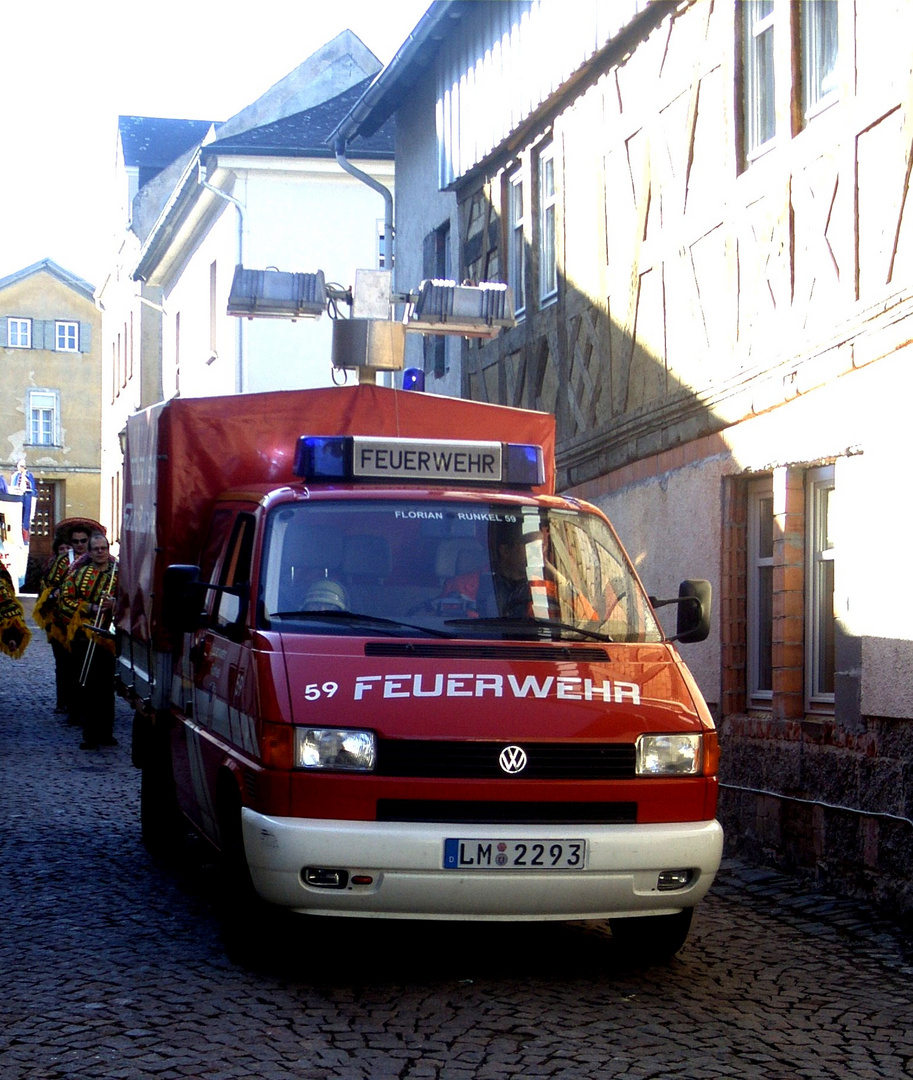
(820,623)
(759,599)
(67,336)
(516,241)
(436,263)
(381,248)
(779,550)
(782,89)
(42,414)
(19,333)
(818,33)
(235,574)
(548,207)
(759,74)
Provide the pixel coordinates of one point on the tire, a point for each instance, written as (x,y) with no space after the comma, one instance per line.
(651,937)
(161,822)
(253,930)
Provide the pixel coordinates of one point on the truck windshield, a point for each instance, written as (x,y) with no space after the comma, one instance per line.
(455,569)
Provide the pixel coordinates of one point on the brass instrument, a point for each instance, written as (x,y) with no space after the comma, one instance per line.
(97,627)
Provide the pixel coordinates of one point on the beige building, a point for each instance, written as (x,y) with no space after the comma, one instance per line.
(705,213)
(50,408)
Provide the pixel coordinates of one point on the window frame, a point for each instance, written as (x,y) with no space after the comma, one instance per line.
(812,38)
(820,621)
(235,573)
(66,329)
(517,221)
(32,407)
(758,88)
(20,324)
(547,244)
(758,606)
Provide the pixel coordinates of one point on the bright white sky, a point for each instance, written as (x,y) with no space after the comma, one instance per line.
(68,71)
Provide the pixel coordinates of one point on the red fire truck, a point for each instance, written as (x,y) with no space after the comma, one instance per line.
(382,667)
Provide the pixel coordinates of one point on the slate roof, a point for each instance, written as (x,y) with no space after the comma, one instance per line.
(48,266)
(151,143)
(305,133)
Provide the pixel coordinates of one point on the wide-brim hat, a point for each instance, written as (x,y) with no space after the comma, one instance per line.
(64,529)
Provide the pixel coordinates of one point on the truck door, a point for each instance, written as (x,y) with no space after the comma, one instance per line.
(220,660)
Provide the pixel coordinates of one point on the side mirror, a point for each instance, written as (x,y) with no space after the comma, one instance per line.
(693,623)
(181,597)
(693,610)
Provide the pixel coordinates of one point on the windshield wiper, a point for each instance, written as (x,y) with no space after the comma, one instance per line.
(354,616)
(528,622)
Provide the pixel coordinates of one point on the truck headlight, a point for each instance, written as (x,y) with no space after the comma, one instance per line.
(668,755)
(335,748)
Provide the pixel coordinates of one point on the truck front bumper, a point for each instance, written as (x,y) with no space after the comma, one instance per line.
(397,869)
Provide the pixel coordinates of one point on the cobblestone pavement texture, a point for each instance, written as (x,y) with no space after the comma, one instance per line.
(112,968)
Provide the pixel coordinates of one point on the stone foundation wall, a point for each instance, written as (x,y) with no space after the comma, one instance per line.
(823,803)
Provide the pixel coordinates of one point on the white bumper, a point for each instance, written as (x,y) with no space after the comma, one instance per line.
(405,864)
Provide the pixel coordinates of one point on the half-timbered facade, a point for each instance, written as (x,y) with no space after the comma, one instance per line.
(704,210)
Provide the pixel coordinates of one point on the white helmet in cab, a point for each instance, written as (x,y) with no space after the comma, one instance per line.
(325,595)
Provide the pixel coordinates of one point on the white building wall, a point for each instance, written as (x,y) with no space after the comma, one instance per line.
(314,218)
(300,218)
(671,523)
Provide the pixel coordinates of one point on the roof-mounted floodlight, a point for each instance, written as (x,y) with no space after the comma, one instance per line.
(443,307)
(276,294)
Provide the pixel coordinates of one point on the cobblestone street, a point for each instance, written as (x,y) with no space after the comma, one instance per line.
(112,967)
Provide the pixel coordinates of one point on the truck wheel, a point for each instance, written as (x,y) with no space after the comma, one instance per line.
(651,937)
(252,928)
(161,826)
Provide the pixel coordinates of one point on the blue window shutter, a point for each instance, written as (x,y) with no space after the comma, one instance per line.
(85,337)
(3,338)
(38,326)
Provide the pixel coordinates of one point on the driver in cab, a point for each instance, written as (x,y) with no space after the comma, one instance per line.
(525,581)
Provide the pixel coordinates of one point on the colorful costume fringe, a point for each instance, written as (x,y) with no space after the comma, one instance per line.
(84,586)
(14,634)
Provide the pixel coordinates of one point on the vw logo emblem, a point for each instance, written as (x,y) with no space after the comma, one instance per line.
(512,759)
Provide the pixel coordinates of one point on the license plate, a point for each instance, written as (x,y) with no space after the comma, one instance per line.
(514,854)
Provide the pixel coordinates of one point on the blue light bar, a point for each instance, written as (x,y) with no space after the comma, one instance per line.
(413,379)
(524,465)
(324,457)
(346,458)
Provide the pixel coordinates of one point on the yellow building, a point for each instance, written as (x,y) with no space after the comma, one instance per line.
(50,408)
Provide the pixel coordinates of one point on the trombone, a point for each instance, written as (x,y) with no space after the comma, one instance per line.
(97,627)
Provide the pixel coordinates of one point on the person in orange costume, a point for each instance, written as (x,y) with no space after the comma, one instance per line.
(519,591)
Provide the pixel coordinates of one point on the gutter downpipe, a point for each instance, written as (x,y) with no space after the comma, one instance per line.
(377,186)
(239,366)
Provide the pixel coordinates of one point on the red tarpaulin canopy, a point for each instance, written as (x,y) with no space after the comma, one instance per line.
(183,452)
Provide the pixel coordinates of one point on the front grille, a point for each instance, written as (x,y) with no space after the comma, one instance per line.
(507,813)
(479,760)
(470,651)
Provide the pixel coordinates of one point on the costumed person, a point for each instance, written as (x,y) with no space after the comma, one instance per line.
(526,583)
(71,544)
(86,605)
(22,482)
(14,634)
